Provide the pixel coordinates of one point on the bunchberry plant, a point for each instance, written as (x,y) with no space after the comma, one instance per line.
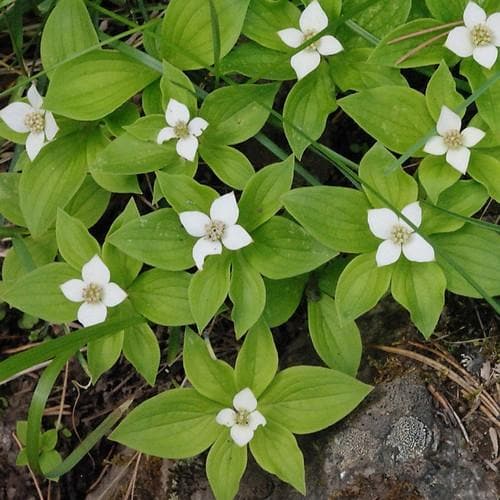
(230,163)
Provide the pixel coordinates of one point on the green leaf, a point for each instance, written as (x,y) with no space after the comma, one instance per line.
(75,243)
(22,457)
(128,155)
(95,84)
(187,38)
(226,463)
(307,399)
(236,113)
(441,91)
(257,361)
(141,348)
(261,198)
(112,183)
(398,127)
(451,10)
(179,423)
(21,431)
(162,297)
(89,203)
(282,298)
(265,19)
(337,343)
(174,84)
(231,166)
(343,224)
(45,299)
(378,17)
(463,198)
(9,198)
(211,377)
(185,194)
(395,185)
(49,440)
(307,108)
(123,268)
(151,99)
(257,62)
(49,460)
(419,287)
(41,251)
(436,176)
(476,251)
(488,103)
(125,115)
(388,54)
(282,249)
(361,285)
(102,354)
(67,31)
(351,70)
(275,449)
(247,293)
(51,181)
(158,239)
(209,288)
(486,170)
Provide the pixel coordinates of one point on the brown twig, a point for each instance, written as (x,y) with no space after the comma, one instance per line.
(63,396)
(491,411)
(37,486)
(418,48)
(424,32)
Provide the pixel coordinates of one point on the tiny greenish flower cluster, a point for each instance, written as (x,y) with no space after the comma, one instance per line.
(164,196)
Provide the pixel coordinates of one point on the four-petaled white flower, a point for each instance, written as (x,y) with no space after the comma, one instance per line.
(479,38)
(217,230)
(32,119)
(452,141)
(95,291)
(182,128)
(312,21)
(244,420)
(398,235)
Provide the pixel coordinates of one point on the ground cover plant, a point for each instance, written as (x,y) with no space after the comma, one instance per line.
(134,202)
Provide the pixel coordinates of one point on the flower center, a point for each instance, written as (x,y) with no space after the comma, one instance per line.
(481,35)
(242,417)
(307,36)
(92,293)
(215,230)
(400,234)
(181,130)
(35,121)
(453,139)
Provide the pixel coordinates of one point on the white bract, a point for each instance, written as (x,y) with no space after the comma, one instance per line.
(218,229)
(244,419)
(32,119)
(479,38)
(183,129)
(452,141)
(95,291)
(312,21)
(398,235)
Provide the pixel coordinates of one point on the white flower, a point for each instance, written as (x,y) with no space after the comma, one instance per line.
(312,20)
(244,420)
(217,230)
(181,128)
(95,291)
(398,235)
(453,142)
(479,38)
(33,119)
